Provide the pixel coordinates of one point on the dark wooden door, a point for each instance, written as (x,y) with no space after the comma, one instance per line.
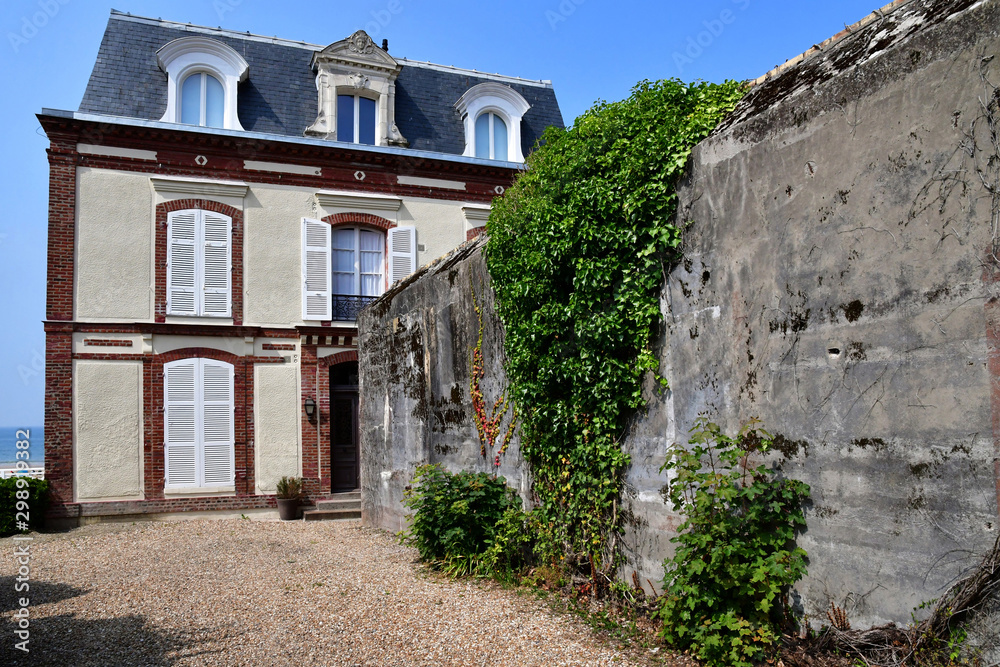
(344,453)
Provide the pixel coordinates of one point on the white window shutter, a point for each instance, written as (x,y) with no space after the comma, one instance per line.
(182,263)
(402,252)
(316,270)
(217,262)
(218,423)
(180,422)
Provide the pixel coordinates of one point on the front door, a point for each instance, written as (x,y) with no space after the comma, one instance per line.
(345,456)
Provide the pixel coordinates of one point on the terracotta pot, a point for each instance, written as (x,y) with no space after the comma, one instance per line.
(288,509)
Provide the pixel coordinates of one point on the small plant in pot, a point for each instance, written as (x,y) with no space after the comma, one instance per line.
(289,493)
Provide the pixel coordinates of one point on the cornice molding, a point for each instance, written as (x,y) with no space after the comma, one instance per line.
(190,186)
(357,200)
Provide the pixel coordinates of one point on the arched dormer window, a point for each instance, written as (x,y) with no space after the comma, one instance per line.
(203,77)
(492,115)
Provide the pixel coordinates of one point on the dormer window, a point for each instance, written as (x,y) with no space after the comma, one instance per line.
(491,136)
(203,78)
(356,86)
(492,115)
(203,101)
(356,119)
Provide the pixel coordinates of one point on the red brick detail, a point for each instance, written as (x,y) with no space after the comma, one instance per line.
(339,358)
(107,342)
(352,219)
(59,411)
(278,347)
(474,232)
(63,161)
(315,437)
(236,250)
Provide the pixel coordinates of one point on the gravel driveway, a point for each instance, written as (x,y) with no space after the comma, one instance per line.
(240,592)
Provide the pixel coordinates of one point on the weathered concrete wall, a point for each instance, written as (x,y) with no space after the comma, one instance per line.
(415,350)
(838,284)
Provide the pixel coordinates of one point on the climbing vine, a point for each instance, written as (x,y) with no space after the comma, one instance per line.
(577,253)
(488,423)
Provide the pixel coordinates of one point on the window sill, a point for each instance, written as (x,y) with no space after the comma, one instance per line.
(202,319)
(192,491)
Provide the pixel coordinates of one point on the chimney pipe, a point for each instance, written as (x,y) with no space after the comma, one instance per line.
(385,45)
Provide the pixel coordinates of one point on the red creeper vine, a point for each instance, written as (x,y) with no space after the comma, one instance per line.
(488,427)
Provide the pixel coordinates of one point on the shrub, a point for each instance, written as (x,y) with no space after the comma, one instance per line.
(455,516)
(725,587)
(14,490)
(288,488)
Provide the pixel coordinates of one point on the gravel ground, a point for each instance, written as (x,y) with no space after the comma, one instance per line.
(239,592)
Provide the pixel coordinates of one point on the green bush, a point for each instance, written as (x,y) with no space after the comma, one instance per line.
(455,516)
(725,587)
(14,490)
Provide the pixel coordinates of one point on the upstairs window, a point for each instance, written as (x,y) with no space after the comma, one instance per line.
(491,136)
(345,268)
(199,263)
(492,113)
(203,101)
(356,119)
(203,78)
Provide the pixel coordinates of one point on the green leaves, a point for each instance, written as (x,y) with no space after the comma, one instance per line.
(576,254)
(455,516)
(724,588)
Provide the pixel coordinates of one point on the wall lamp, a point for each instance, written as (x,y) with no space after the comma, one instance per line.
(310,407)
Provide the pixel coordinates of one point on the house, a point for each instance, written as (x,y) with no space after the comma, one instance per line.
(221,206)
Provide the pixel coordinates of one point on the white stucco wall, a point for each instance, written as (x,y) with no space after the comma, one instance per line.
(440,226)
(107,409)
(276,424)
(272,251)
(114,254)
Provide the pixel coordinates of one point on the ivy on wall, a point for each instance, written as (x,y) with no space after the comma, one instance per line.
(577,252)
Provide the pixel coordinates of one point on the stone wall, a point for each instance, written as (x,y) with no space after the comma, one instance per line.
(838,284)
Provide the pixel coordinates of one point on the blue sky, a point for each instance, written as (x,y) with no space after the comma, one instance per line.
(590,49)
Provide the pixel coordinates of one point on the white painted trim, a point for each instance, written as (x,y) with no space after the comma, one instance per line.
(198,186)
(356,200)
(171,491)
(254,165)
(501,100)
(114,151)
(430,182)
(476,213)
(189,55)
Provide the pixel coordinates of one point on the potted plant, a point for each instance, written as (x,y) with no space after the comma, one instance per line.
(289,493)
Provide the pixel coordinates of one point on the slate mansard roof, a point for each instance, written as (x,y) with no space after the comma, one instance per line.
(279,96)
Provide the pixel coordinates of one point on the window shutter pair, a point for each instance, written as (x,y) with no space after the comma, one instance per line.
(317,268)
(199,263)
(198,423)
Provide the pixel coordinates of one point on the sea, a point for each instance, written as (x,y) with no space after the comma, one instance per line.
(8,445)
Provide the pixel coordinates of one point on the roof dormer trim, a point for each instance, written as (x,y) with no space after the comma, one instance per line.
(185,56)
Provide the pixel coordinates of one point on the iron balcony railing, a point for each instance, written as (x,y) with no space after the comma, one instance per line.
(347,306)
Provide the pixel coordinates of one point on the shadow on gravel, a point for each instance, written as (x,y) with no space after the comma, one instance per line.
(39,592)
(68,640)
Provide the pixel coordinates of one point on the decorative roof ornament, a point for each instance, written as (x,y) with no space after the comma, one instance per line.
(360,42)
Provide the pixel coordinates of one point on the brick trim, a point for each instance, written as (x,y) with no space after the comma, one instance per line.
(338,358)
(58,412)
(474,232)
(354,219)
(282,347)
(236,252)
(63,160)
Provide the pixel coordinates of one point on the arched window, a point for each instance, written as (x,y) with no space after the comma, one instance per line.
(492,114)
(491,136)
(203,101)
(358,261)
